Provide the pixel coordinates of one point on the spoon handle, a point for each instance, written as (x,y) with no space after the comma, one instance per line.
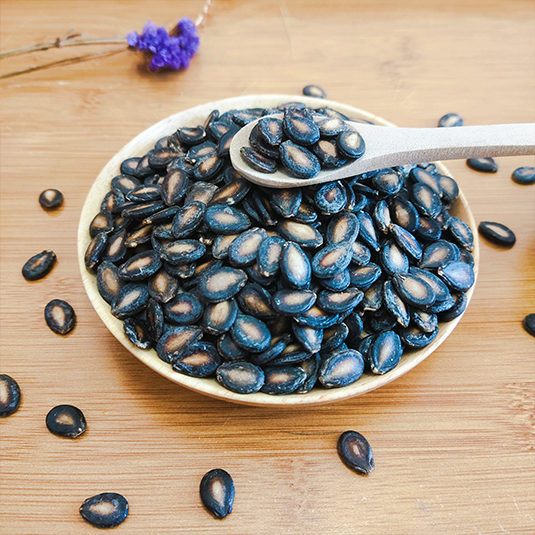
(398,146)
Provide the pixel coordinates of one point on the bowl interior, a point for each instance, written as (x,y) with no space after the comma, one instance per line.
(139,146)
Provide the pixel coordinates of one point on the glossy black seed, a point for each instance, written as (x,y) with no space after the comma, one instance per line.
(256,275)
(217,492)
(311,368)
(250,333)
(283,379)
(143,168)
(457,275)
(449,190)
(355,325)
(424,177)
(368,233)
(137,237)
(529,324)
(40,265)
(202,192)
(415,338)
(144,193)
(257,160)
(381,216)
(141,266)
(124,183)
(102,222)
(293,302)
(329,126)
(187,219)
(137,333)
(131,299)
(355,452)
(334,336)
(461,233)
(497,233)
(388,181)
(221,284)
(276,347)
(163,286)
(338,282)
(439,287)
(230,350)
(328,153)
(395,305)
(50,199)
(338,302)
(301,233)
(66,421)
(255,300)
(350,143)
(331,260)
(460,302)
(199,359)
(306,214)
(308,337)
(105,510)
(286,202)
(185,272)
(295,266)
(175,340)
(450,119)
(269,254)
(174,186)
(270,131)
(439,254)
(243,117)
(142,210)
(330,198)
(364,276)
(115,249)
(191,135)
(208,168)
(393,259)
(9,395)
(425,321)
(184,309)
(202,151)
(182,251)
(414,290)
(373,298)
(483,165)
(218,318)
(128,166)
(60,316)
(341,369)
(428,229)
(244,249)
(361,254)
(109,282)
(241,377)
(226,219)
(406,241)
(314,91)
(385,352)
(298,161)
(159,158)
(525,176)
(426,200)
(317,318)
(300,129)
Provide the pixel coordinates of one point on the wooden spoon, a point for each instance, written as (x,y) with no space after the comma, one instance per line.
(388,146)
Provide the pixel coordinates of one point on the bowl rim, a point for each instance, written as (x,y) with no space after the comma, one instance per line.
(145,140)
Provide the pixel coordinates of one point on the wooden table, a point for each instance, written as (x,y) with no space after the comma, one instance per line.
(453,439)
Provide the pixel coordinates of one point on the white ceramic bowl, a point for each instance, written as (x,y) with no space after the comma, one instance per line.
(139,146)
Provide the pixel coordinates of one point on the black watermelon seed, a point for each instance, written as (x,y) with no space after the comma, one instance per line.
(258,161)
(109,283)
(50,199)
(241,377)
(331,198)
(163,286)
(342,368)
(497,233)
(283,379)
(226,219)
(529,324)
(221,284)
(102,222)
(450,119)
(293,302)
(525,176)
(355,452)
(457,275)
(298,161)
(175,340)
(174,186)
(350,143)
(385,352)
(60,316)
(9,395)
(286,202)
(461,233)
(39,265)
(217,492)
(105,510)
(250,333)
(95,250)
(199,359)
(184,309)
(141,266)
(137,332)
(300,129)
(314,91)
(66,421)
(412,336)
(270,131)
(414,290)
(128,166)
(218,318)
(484,165)
(131,299)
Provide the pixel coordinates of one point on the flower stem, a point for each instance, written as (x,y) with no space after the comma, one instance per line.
(61,43)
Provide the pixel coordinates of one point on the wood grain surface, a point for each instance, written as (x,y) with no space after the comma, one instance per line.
(453,439)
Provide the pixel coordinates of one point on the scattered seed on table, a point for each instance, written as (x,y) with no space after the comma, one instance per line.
(484,165)
(60,316)
(525,176)
(529,324)
(105,510)
(450,119)
(314,91)
(355,452)
(9,395)
(51,199)
(39,265)
(497,233)
(217,492)
(66,421)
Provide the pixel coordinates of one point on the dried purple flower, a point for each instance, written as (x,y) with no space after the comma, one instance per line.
(171,51)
